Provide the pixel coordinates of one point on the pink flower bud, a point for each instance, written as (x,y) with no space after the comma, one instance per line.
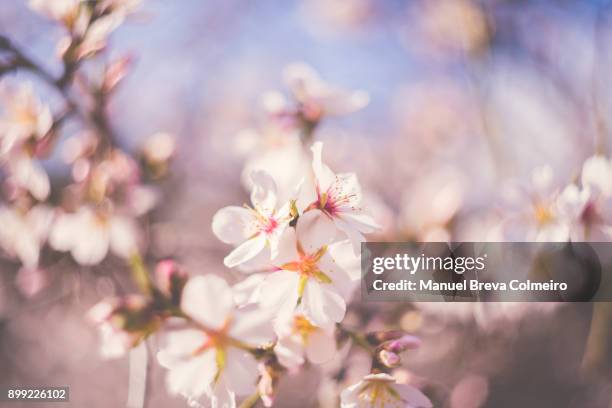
(266,384)
(402,344)
(170,279)
(389,358)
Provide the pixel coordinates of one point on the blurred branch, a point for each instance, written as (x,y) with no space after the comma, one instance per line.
(96,118)
(140,274)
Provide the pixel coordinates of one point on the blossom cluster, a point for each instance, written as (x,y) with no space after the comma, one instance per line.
(296,245)
(580,211)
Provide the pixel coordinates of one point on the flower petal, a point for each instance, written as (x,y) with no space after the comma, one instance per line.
(193,376)
(280,290)
(208,299)
(351,232)
(245,251)
(412,396)
(30,175)
(320,346)
(597,174)
(349,398)
(343,255)
(63,232)
(253,326)
(123,236)
(229,224)
(289,351)
(324,177)
(287,248)
(315,230)
(322,305)
(240,372)
(92,239)
(263,195)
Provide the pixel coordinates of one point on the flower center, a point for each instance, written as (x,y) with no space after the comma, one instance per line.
(380,394)
(336,198)
(303,327)
(262,222)
(216,338)
(543,214)
(308,267)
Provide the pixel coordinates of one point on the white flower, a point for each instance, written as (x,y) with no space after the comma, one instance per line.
(535,213)
(317,98)
(249,290)
(300,339)
(382,391)
(25,121)
(159,147)
(589,208)
(122,323)
(28,174)
(65,11)
(306,271)
(23,233)
(23,117)
(211,360)
(252,229)
(89,235)
(277,152)
(338,200)
(97,34)
(430,205)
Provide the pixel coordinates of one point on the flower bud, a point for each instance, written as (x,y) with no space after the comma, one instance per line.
(267,384)
(170,280)
(389,358)
(123,323)
(402,344)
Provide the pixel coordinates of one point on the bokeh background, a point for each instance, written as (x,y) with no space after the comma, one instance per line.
(466,97)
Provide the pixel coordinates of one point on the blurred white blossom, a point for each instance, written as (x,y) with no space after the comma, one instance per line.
(300,339)
(89,234)
(24,232)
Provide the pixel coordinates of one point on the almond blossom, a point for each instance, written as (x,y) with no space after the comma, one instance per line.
(589,207)
(27,173)
(279,153)
(211,361)
(88,234)
(122,323)
(318,98)
(68,12)
(253,228)
(382,391)
(24,232)
(24,124)
(338,202)
(307,271)
(24,116)
(534,213)
(299,340)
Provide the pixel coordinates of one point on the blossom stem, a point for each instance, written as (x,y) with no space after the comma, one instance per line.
(96,118)
(140,274)
(250,401)
(357,339)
